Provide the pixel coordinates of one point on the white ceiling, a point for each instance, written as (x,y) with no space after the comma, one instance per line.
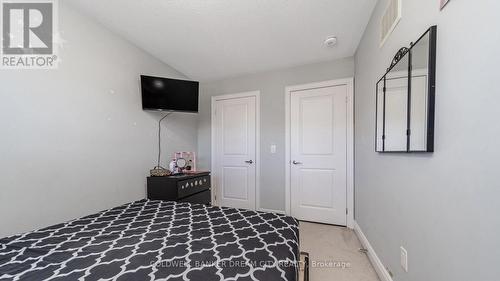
(214,39)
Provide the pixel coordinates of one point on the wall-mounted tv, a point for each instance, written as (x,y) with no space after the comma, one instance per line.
(165,94)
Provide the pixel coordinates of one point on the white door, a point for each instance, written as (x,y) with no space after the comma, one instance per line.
(235,152)
(396,114)
(418,116)
(318,153)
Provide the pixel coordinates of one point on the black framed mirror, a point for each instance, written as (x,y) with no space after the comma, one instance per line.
(405,98)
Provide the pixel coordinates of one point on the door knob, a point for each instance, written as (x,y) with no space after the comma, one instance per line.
(296,163)
(249,161)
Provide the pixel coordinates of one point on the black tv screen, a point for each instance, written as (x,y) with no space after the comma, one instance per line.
(169,94)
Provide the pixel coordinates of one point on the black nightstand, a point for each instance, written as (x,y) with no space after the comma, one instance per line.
(192,188)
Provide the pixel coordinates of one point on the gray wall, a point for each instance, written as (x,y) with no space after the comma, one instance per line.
(272,86)
(443,207)
(75,140)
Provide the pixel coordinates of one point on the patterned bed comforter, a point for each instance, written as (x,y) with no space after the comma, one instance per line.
(157,240)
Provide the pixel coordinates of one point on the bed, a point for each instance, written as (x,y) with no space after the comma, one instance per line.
(157,240)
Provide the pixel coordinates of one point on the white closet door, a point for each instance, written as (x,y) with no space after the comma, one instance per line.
(235,139)
(318,143)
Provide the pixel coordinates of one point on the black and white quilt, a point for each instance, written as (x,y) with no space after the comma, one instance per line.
(157,240)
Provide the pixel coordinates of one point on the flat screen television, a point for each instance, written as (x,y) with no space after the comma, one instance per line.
(165,94)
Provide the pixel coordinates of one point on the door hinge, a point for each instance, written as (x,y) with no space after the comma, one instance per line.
(346,211)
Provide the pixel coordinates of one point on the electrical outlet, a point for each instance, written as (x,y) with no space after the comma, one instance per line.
(404,259)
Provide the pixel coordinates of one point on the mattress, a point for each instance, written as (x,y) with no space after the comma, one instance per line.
(157,240)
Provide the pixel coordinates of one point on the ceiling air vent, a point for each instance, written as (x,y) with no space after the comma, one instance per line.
(390,19)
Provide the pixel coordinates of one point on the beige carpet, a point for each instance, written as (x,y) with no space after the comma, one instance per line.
(334,255)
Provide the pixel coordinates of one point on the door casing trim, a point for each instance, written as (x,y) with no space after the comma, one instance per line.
(349,82)
(215,187)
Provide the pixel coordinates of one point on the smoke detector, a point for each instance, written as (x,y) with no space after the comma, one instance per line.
(330,42)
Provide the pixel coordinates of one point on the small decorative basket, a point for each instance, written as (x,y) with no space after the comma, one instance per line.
(159,171)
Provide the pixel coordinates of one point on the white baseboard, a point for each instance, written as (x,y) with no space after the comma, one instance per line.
(272,211)
(377,264)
